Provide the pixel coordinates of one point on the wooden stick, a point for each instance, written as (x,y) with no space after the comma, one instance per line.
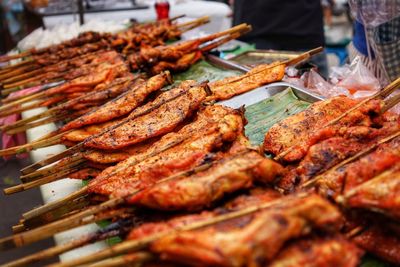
(19,110)
(66,168)
(42,181)
(351,159)
(232,30)
(55,204)
(23,82)
(200,20)
(73,160)
(194,26)
(70,208)
(29,98)
(342,199)
(221,41)
(82,218)
(126,260)
(16,72)
(14,66)
(31,125)
(16,56)
(21,76)
(391,102)
(111,230)
(52,159)
(29,147)
(381,94)
(81,145)
(22,122)
(139,244)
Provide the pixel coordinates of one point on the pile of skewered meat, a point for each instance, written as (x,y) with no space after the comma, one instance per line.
(335,183)
(57,62)
(98,72)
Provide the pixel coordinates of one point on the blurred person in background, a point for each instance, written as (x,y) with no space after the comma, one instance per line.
(291,25)
(376,39)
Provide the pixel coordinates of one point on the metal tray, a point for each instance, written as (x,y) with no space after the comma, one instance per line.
(261,93)
(257,57)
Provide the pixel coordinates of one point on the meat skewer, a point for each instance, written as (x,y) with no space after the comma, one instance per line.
(111,90)
(59,72)
(293,151)
(104,71)
(142,243)
(59,225)
(205,122)
(239,28)
(257,80)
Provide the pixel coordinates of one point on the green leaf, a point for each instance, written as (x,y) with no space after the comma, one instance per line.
(262,115)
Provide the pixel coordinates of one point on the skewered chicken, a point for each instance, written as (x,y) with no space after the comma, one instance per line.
(152,124)
(319,252)
(297,133)
(251,240)
(123,104)
(329,152)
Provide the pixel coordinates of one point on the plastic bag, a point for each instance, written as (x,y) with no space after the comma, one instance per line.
(374,12)
(317,84)
(359,78)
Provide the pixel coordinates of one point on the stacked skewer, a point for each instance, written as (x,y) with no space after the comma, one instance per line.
(184,168)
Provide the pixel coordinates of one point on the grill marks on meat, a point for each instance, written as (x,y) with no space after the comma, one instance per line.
(318,252)
(328,153)
(250,240)
(160,121)
(141,171)
(355,173)
(299,132)
(381,242)
(123,104)
(381,193)
(206,119)
(202,189)
(81,134)
(229,87)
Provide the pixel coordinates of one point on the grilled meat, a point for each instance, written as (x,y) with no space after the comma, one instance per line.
(302,130)
(319,252)
(158,122)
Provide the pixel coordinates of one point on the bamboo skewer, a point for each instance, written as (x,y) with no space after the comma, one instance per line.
(82,218)
(79,218)
(39,182)
(73,207)
(30,146)
(53,168)
(55,204)
(16,56)
(127,260)
(16,73)
(351,159)
(23,76)
(381,94)
(21,101)
(139,244)
(80,146)
(391,102)
(25,127)
(111,230)
(13,66)
(18,110)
